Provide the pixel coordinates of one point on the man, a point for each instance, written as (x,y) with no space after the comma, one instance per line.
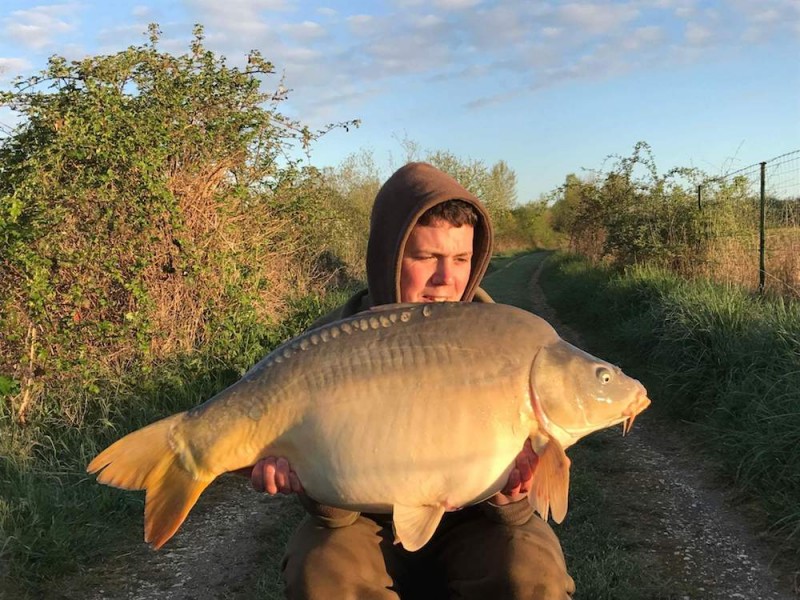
(430,241)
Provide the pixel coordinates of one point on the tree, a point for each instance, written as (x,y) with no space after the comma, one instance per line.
(500,194)
(354,184)
(495,185)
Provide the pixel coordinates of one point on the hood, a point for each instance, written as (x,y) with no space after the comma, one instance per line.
(400,202)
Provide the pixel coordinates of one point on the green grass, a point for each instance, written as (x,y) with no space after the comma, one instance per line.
(53,517)
(717,357)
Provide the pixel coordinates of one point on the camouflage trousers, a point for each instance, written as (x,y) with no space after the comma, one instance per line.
(469,557)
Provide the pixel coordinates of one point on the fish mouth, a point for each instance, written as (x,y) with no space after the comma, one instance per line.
(633,410)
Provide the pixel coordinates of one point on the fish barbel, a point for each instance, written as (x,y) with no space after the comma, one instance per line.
(409,409)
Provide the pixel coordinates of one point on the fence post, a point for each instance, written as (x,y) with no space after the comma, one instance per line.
(762,269)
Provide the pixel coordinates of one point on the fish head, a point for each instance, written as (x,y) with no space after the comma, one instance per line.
(575,393)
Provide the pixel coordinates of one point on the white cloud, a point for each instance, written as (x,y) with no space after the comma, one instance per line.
(361,24)
(242,22)
(305,31)
(681,8)
(597,18)
(673,4)
(501,28)
(766,20)
(697,35)
(404,4)
(141,11)
(497,49)
(11,67)
(38,27)
(455,4)
(301,55)
(428,20)
(644,37)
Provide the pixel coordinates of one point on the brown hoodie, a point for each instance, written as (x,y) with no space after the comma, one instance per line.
(401,201)
(399,204)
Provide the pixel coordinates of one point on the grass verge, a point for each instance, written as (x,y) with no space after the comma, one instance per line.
(719,358)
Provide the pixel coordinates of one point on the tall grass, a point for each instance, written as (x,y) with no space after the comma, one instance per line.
(53,517)
(722,359)
(735,260)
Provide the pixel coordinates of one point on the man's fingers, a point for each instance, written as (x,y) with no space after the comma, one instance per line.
(512,485)
(525,472)
(256,479)
(282,471)
(525,463)
(294,482)
(269,476)
(275,476)
(258,476)
(527,452)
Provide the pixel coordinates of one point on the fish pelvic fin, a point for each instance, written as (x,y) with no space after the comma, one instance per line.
(145,460)
(414,525)
(549,492)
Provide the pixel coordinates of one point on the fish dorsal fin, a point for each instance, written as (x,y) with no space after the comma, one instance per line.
(414,525)
(550,485)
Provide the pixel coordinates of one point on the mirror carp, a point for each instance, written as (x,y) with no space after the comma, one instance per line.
(409,409)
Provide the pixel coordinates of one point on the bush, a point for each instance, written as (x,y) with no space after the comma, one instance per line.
(155,243)
(143,212)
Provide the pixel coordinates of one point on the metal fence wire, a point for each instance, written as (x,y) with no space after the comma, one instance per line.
(757,220)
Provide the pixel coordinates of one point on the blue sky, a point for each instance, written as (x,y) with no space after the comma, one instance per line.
(550,87)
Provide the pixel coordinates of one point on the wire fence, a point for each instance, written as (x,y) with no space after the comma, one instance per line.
(756,216)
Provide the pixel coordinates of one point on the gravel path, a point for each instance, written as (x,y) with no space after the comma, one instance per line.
(232,537)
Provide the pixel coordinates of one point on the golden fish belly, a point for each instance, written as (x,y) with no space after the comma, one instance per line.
(452,443)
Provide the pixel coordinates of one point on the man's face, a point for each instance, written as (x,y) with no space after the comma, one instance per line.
(436,263)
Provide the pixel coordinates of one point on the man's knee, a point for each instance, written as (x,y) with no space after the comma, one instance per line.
(318,571)
(334,563)
(535,564)
(486,559)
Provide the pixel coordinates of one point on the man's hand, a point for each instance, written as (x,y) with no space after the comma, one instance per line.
(273,475)
(519,480)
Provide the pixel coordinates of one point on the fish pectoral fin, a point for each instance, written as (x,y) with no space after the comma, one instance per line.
(414,525)
(550,485)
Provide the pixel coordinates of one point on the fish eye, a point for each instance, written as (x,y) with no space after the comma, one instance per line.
(603,375)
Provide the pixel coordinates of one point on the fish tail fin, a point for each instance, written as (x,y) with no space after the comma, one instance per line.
(168,501)
(145,460)
(550,484)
